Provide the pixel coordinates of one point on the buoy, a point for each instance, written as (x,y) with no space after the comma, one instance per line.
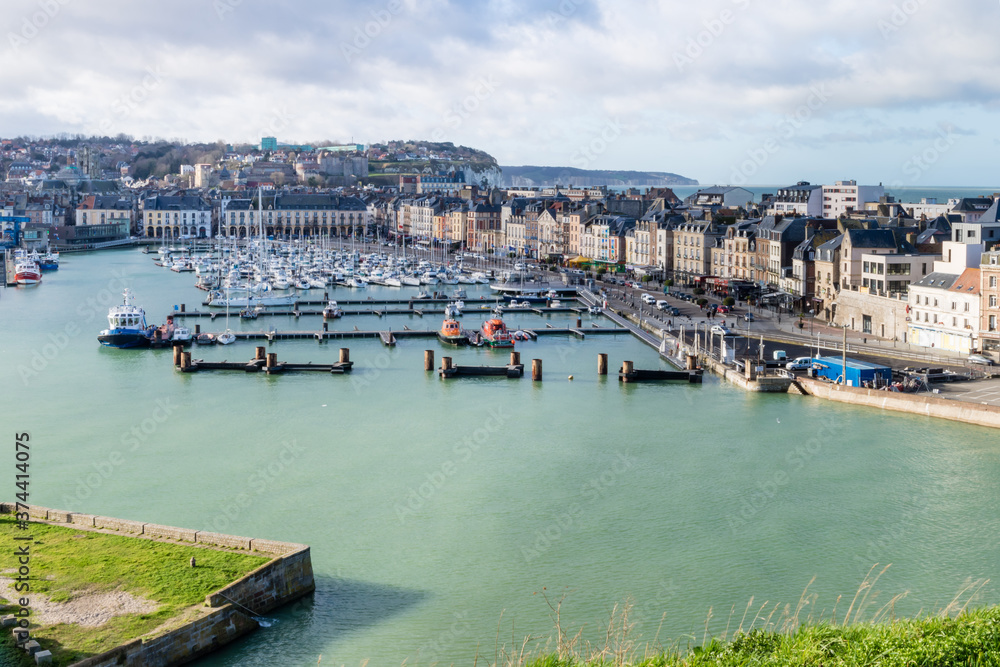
(570,377)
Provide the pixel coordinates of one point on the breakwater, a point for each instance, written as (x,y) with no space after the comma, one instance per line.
(229,613)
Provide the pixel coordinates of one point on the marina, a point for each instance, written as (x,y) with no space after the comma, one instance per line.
(467,474)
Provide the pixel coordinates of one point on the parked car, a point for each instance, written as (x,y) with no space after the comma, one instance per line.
(981,359)
(662,305)
(799,364)
(723,309)
(648,299)
(720,329)
(748,317)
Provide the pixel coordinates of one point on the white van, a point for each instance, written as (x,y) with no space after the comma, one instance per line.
(662,305)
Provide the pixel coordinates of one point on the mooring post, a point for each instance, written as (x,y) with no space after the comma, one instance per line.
(445,363)
(197,329)
(602,364)
(261,354)
(536,370)
(185,361)
(515,358)
(627,369)
(692,362)
(272,359)
(579,323)
(345,355)
(178,351)
(183,307)
(428,360)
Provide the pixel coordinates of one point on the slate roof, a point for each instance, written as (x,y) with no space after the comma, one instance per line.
(937,280)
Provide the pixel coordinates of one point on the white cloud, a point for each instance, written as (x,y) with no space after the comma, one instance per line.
(697,84)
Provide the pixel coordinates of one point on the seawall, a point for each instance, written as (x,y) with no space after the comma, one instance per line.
(928,406)
(229,611)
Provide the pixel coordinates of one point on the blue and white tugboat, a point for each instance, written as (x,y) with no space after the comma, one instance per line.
(127,324)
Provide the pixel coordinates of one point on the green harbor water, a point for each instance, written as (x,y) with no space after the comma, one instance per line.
(437,510)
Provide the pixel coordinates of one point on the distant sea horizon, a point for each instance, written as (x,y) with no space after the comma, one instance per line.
(910,195)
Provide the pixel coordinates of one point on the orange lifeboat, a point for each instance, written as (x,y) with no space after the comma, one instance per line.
(451,333)
(495,333)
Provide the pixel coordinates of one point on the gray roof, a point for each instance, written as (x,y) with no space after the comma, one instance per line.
(938,280)
(992,214)
(872,238)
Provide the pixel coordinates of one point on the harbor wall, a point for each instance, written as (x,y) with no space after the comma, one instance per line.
(928,406)
(229,611)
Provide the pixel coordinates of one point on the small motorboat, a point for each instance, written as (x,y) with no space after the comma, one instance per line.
(227,337)
(182,335)
(595,310)
(250,313)
(332,311)
(205,339)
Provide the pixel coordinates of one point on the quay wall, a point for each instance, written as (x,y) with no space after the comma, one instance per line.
(928,406)
(229,611)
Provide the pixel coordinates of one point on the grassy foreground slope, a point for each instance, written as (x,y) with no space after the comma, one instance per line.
(972,638)
(68,564)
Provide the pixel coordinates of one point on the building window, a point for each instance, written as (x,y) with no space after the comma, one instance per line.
(993,322)
(993,280)
(993,301)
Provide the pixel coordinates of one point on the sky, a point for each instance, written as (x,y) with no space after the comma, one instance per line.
(735,92)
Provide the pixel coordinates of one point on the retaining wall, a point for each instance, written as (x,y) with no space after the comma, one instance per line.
(287,577)
(929,406)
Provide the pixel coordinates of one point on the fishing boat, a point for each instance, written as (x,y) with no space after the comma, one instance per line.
(26,272)
(49,261)
(451,333)
(495,333)
(126,325)
(332,311)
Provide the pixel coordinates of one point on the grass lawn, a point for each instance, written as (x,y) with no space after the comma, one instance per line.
(971,639)
(67,562)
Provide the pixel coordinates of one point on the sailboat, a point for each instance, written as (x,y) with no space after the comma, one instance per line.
(227,337)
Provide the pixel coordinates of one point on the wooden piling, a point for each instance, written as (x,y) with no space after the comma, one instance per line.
(627,368)
(345,355)
(515,358)
(178,351)
(428,360)
(197,329)
(326,326)
(536,370)
(692,362)
(261,354)
(183,307)
(602,364)
(579,323)
(272,359)
(445,363)
(185,360)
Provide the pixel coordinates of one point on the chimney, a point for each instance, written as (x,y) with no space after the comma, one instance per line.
(911,238)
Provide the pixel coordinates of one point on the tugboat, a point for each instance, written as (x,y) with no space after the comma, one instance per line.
(495,333)
(127,324)
(451,333)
